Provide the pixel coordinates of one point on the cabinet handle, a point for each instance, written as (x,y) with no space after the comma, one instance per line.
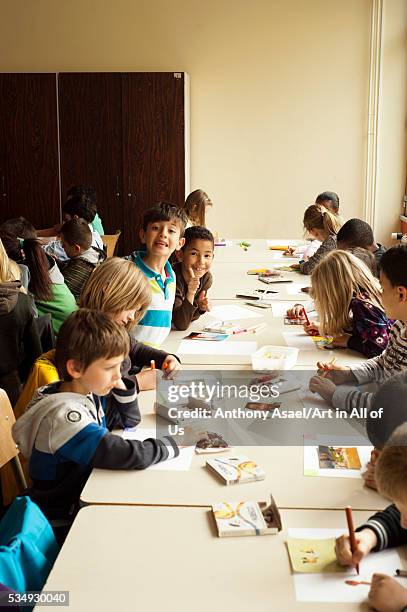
(117,187)
(129,190)
(3,182)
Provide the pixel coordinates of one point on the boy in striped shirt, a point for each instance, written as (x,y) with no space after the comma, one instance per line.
(393,279)
(162,233)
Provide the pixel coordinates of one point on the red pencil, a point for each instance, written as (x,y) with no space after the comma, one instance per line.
(306,316)
(349,518)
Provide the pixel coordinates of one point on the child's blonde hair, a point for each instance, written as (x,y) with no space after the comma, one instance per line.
(338,278)
(9,270)
(117,285)
(391,468)
(318,217)
(195,206)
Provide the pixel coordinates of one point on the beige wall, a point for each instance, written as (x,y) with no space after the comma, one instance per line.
(279,91)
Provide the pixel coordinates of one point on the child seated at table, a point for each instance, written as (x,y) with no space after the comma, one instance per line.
(66,430)
(358,233)
(76,240)
(330,200)
(322,225)
(195,207)
(393,280)
(119,289)
(385,529)
(347,298)
(391,398)
(193,277)
(162,233)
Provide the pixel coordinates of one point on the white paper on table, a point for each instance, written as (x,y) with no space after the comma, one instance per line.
(295,288)
(230,312)
(192,347)
(299,339)
(311,459)
(182,463)
(331,587)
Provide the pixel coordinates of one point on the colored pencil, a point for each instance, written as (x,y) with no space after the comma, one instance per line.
(352,538)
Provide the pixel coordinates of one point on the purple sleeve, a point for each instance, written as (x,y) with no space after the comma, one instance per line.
(370,330)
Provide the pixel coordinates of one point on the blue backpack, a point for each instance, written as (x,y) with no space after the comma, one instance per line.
(28,547)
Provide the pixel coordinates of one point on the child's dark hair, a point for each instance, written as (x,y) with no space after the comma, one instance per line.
(83,191)
(76,231)
(20,227)
(30,252)
(393,264)
(88,335)
(355,233)
(329,196)
(80,207)
(392,398)
(197,232)
(163,211)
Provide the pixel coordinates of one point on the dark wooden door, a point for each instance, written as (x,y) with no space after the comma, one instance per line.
(29,174)
(153,145)
(90,122)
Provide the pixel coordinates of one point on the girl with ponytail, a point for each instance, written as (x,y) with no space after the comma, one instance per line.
(322,225)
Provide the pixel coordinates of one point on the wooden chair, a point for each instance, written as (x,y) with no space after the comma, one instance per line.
(110,242)
(8,449)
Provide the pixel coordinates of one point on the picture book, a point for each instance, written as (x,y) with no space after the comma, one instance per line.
(246,518)
(235,470)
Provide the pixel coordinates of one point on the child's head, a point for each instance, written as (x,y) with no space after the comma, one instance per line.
(320,222)
(393,279)
(119,289)
(355,233)
(9,270)
(391,471)
(195,206)
(20,227)
(90,349)
(330,200)
(76,237)
(30,252)
(197,252)
(391,397)
(76,206)
(87,193)
(163,229)
(337,278)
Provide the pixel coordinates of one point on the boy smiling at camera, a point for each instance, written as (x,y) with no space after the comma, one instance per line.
(193,277)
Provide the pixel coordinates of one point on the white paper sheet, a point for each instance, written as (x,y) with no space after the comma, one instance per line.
(230,312)
(299,339)
(332,587)
(295,288)
(182,463)
(311,461)
(192,347)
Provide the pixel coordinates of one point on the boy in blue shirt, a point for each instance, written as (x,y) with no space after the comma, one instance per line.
(162,233)
(66,430)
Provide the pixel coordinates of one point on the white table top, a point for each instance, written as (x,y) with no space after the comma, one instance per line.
(127,558)
(257,251)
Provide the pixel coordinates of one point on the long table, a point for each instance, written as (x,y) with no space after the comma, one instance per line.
(126,558)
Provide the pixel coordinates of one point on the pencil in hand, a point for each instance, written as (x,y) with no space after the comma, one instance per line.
(328,368)
(352,538)
(152,364)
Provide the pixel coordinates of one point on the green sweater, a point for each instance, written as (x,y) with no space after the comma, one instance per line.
(60,307)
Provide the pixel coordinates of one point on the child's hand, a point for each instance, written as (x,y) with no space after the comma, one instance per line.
(386,594)
(295,266)
(340,341)
(203,302)
(119,384)
(193,285)
(289,252)
(311,329)
(147,379)
(323,386)
(170,366)
(337,373)
(296,312)
(365,541)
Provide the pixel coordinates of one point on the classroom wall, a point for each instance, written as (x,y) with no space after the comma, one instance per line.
(279,91)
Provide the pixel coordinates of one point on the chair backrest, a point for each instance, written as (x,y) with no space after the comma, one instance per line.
(110,241)
(8,448)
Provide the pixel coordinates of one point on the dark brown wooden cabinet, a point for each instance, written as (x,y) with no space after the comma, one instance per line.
(123,133)
(29,173)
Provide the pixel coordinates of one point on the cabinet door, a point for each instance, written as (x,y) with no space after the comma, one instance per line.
(90,122)
(153,145)
(29,175)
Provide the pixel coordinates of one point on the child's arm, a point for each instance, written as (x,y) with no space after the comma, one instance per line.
(370,333)
(307,267)
(141,355)
(31,343)
(184,309)
(122,408)
(387,595)
(203,302)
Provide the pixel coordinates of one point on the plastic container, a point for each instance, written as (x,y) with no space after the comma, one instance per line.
(275,358)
